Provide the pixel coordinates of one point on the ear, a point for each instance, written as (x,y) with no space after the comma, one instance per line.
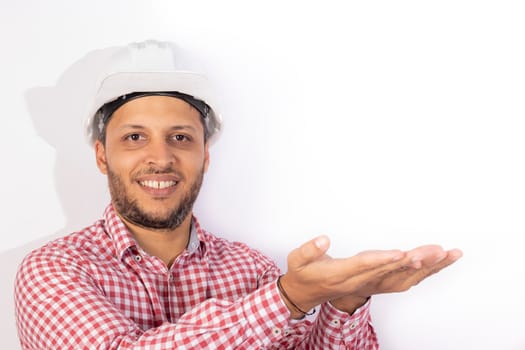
(206,157)
(100,155)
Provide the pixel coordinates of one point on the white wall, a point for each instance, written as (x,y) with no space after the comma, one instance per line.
(385,124)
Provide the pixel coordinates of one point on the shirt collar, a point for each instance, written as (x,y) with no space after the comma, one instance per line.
(123,239)
(118,232)
(193,243)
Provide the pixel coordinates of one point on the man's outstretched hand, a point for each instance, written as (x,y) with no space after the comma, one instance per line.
(313,277)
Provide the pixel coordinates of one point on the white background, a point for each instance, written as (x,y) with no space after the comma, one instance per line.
(384,124)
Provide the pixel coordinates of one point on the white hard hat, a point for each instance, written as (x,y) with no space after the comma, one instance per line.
(151,66)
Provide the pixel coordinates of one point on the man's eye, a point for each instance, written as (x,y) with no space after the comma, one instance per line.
(180,138)
(134,137)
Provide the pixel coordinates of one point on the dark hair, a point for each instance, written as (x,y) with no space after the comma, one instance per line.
(104,113)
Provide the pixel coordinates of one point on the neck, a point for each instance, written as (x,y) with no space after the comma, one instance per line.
(166,245)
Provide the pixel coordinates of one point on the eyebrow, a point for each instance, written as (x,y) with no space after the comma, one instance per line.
(184,127)
(175,127)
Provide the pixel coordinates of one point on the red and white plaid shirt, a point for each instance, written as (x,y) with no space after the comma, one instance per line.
(97,289)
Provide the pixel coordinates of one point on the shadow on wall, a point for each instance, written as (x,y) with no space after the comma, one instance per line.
(58,113)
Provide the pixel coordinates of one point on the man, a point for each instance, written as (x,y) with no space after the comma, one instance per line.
(147,276)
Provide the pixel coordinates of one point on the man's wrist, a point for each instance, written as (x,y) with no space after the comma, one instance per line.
(296,312)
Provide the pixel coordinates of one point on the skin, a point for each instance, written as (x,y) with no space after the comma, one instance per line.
(160,138)
(313,277)
(154,138)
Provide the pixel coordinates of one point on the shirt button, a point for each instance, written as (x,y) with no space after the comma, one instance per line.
(353,325)
(287,332)
(138,258)
(335,322)
(276,332)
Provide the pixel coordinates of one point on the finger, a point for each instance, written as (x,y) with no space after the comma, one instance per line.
(376,259)
(373,275)
(415,276)
(308,252)
(351,270)
(427,255)
(391,268)
(432,254)
(400,276)
(455,254)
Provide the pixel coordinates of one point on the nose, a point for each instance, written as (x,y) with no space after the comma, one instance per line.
(159,153)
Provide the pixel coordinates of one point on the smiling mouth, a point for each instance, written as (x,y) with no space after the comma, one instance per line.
(157,185)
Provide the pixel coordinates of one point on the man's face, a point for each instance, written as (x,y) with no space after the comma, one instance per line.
(155,157)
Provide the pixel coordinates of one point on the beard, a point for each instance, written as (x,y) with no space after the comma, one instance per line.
(130,209)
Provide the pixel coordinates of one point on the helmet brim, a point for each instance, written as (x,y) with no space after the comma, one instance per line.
(123,83)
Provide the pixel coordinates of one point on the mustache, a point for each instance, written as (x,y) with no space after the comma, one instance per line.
(158,171)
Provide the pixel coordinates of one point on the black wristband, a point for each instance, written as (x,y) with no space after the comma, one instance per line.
(283,292)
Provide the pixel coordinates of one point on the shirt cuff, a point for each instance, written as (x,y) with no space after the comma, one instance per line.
(339,324)
(266,314)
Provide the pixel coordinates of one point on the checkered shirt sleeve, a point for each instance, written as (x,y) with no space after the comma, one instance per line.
(81,292)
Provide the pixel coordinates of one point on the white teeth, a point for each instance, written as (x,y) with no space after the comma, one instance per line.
(158,184)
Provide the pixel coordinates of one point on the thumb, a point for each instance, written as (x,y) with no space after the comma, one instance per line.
(308,252)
